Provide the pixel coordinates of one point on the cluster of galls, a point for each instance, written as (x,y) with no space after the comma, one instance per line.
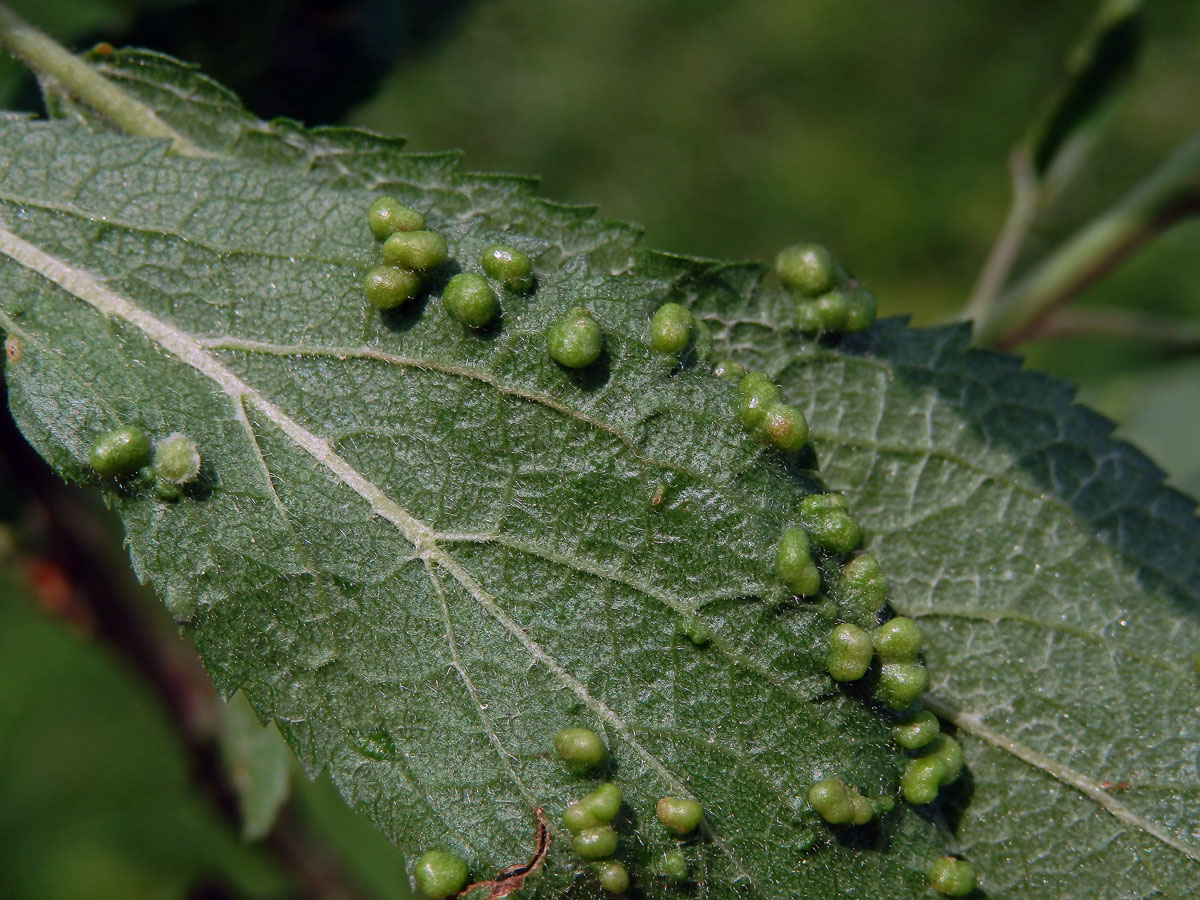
(829,299)
(860,592)
(589,818)
(411,254)
(124,454)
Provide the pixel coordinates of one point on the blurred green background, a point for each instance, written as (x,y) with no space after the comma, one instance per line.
(725,127)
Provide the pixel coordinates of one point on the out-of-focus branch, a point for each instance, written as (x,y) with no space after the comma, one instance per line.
(1166,197)
(1165,331)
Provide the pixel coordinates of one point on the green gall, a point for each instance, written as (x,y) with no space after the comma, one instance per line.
(510,267)
(952,877)
(807,319)
(596,842)
(671,328)
(612,875)
(758,394)
(864,811)
(900,684)
(861,307)
(577,817)
(829,524)
(921,779)
(575,340)
(470,299)
(917,731)
(898,640)
(387,287)
(603,803)
(176,459)
(387,215)
(672,866)
(167,491)
(580,748)
(850,653)
(786,426)
(695,631)
(794,563)
(833,800)
(417,250)
(827,313)
(947,752)
(680,814)
(440,874)
(862,588)
(121,451)
(727,368)
(808,269)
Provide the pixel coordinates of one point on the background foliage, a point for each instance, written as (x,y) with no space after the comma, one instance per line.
(726,128)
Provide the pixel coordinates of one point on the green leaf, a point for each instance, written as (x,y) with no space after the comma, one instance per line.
(257,763)
(424,551)
(1097,68)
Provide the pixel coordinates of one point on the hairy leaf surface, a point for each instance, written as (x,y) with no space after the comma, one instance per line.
(423,551)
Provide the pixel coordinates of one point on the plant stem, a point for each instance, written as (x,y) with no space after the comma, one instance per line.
(1174,334)
(50,60)
(1021,212)
(1168,195)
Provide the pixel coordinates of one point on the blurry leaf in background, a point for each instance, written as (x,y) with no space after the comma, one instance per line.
(258,763)
(95,801)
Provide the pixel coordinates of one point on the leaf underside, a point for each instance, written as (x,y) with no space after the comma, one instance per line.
(423,551)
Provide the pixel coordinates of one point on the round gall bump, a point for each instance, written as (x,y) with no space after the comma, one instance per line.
(387,287)
(121,451)
(901,684)
(440,874)
(176,459)
(861,308)
(673,866)
(671,328)
(387,215)
(603,803)
(829,524)
(417,250)
(580,748)
(918,731)
(850,653)
(577,817)
(470,299)
(727,368)
(575,341)
(758,394)
(952,877)
(794,563)
(833,800)
(596,842)
(786,426)
(808,269)
(612,875)
(510,267)
(898,640)
(680,814)
(921,779)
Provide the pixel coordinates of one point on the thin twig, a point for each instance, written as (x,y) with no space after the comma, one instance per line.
(1166,197)
(1166,331)
(50,60)
(1021,213)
